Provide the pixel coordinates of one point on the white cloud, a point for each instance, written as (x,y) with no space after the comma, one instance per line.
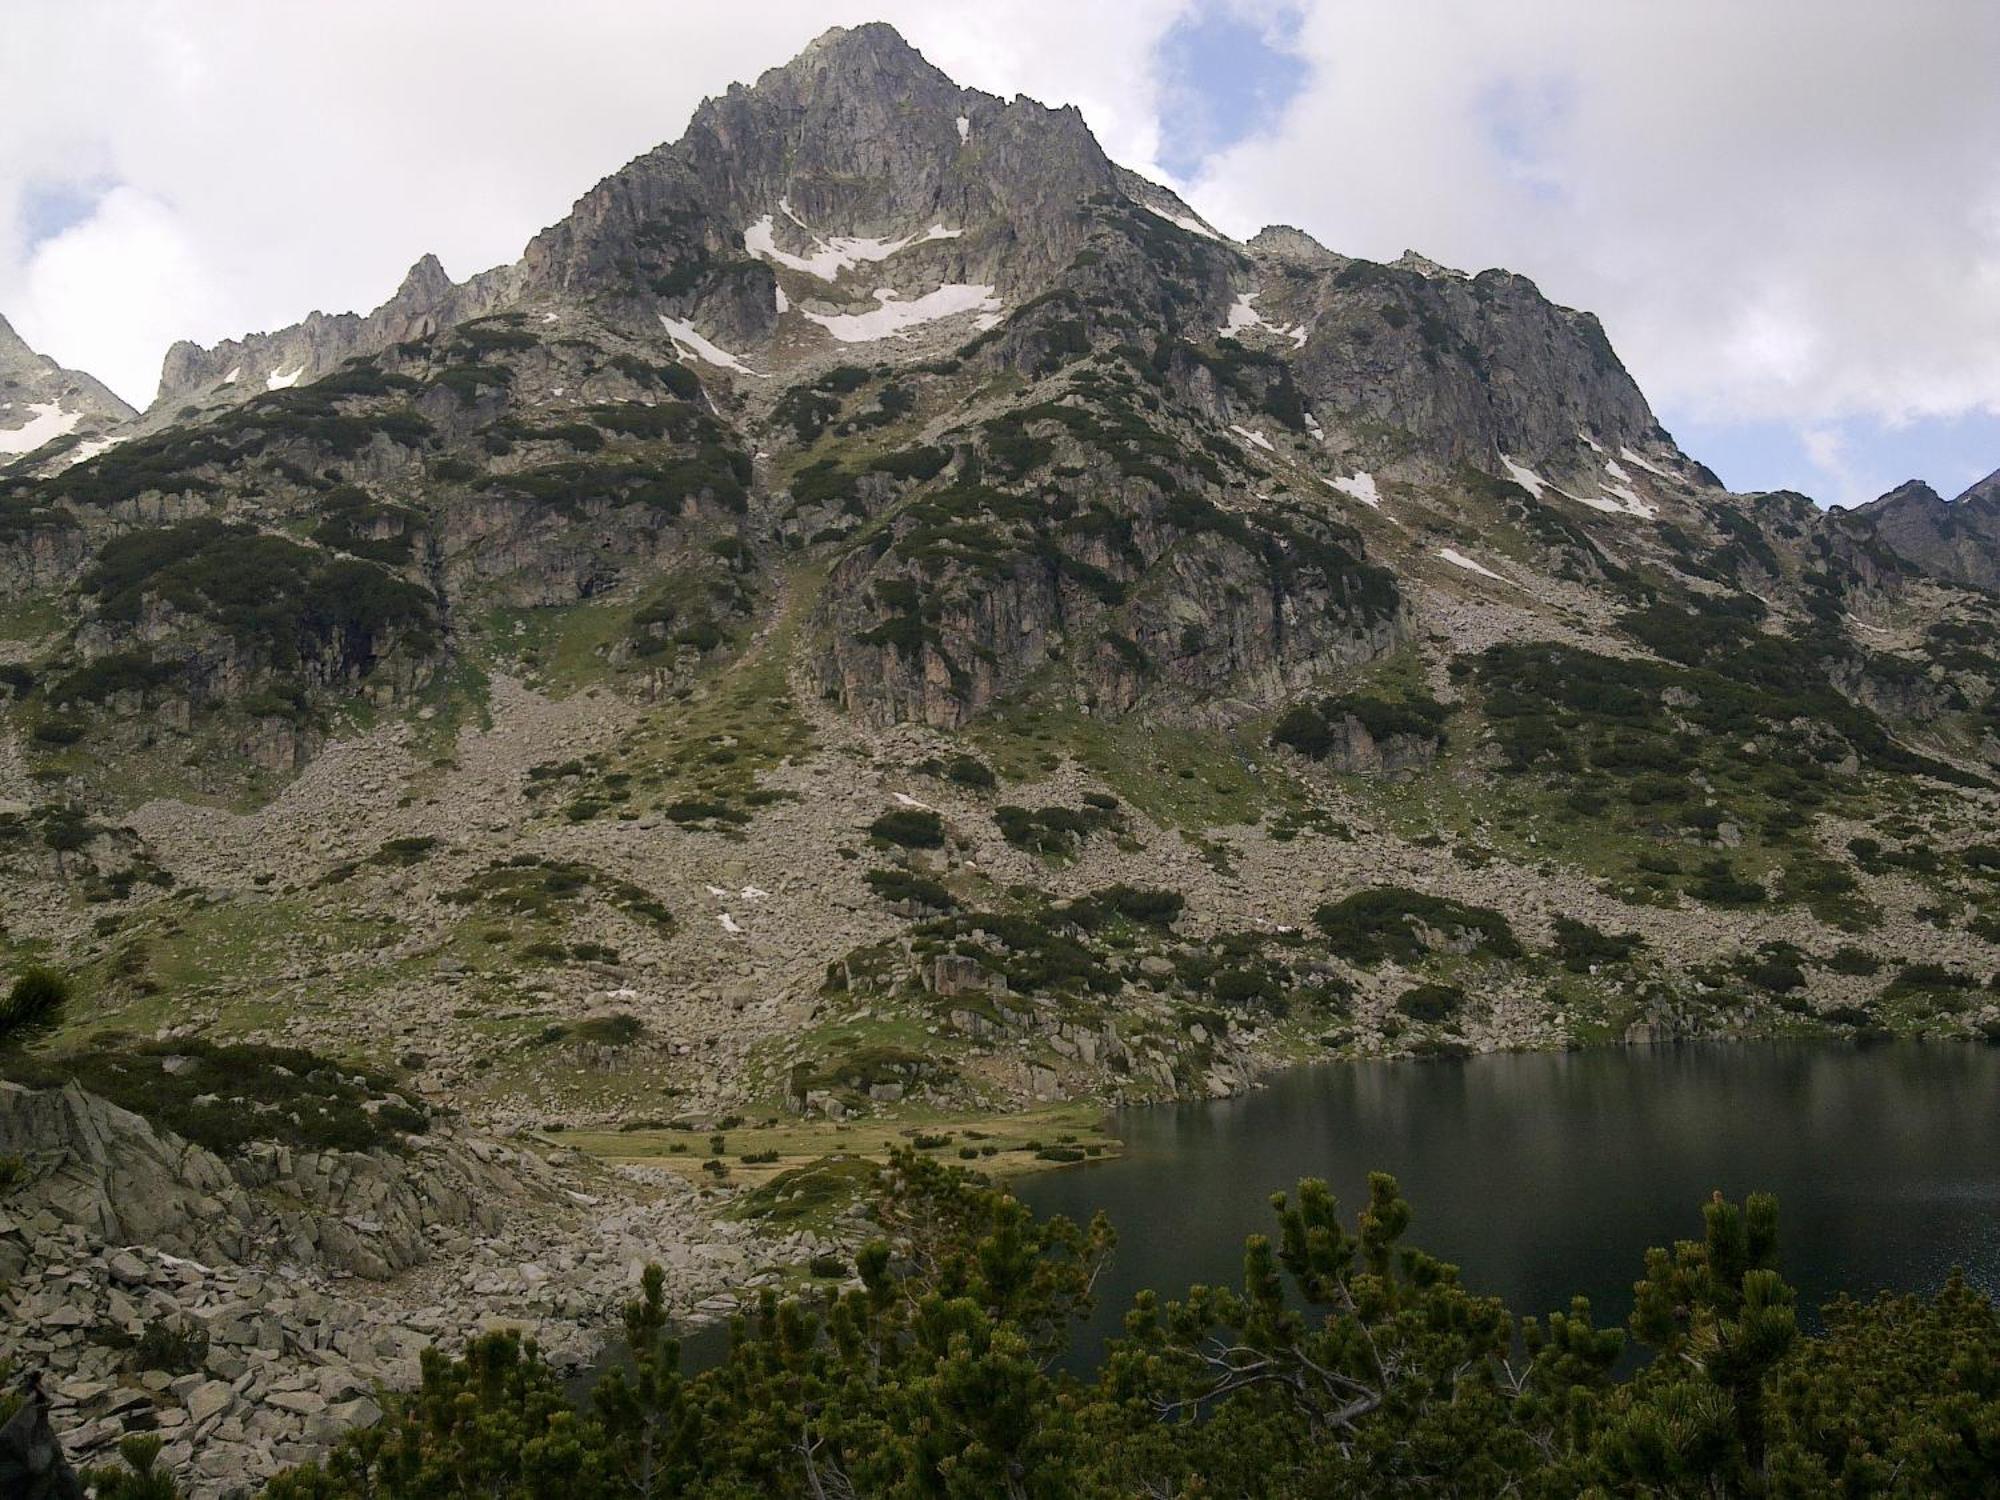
(1786,212)
(113,291)
(301,157)
(1782,211)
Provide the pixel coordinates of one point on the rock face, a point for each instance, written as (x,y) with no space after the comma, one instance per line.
(249,1310)
(105,1169)
(42,404)
(859,168)
(194,379)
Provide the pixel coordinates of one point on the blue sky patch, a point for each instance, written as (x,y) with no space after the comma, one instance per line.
(1229,75)
(1847,462)
(47,207)
(1520,118)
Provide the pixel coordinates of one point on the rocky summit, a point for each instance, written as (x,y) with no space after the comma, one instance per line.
(881,624)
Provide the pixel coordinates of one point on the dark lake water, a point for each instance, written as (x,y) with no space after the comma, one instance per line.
(1546,1175)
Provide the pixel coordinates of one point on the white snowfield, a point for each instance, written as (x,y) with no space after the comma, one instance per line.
(47,421)
(1643,462)
(964,130)
(683,334)
(283,380)
(1182,221)
(235,374)
(831,254)
(895,317)
(1459,560)
(1618,499)
(1256,438)
(1361,487)
(1243,314)
(784,302)
(83,453)
(1525,477)
(1627,503)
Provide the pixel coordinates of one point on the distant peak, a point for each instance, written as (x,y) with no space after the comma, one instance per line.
(1910,492)
(425,282)
(1423,265)
(1287,243)
(875,43)
(1984,492)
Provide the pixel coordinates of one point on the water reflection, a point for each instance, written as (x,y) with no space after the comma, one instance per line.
(1544,1175)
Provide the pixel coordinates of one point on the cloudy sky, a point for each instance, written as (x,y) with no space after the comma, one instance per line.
(1787,213)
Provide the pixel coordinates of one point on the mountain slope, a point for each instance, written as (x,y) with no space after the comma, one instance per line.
(903,610)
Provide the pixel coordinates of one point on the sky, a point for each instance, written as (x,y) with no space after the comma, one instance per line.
(1787,213)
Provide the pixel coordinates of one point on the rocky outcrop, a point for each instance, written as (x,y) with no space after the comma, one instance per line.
(249,1310)
(1467,366)
(428,300)
(1957,540)
(123,1182)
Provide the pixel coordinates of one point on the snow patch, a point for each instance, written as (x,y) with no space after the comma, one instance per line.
(894,316)
(988,320)
(1643,462)
(753,893)
(1182,221)
(1256,438)
(1629,502)
(47,422)
(1459,560)
(716,891)
(906,800)
(1590,442)
(784,302)
(831,255)
(1626,503)
(729,923)
(551,318)
(1525,477)
(1243,314)
(1313,427)
(964,130)
(235,374)
(283,380)
(1361,487)
(84,452)
(684,335)
(1617,471)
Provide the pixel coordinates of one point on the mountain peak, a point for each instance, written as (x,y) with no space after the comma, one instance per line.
(425,282)
(1287,243)
(1909,492)
(873,55)
(1982,492)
